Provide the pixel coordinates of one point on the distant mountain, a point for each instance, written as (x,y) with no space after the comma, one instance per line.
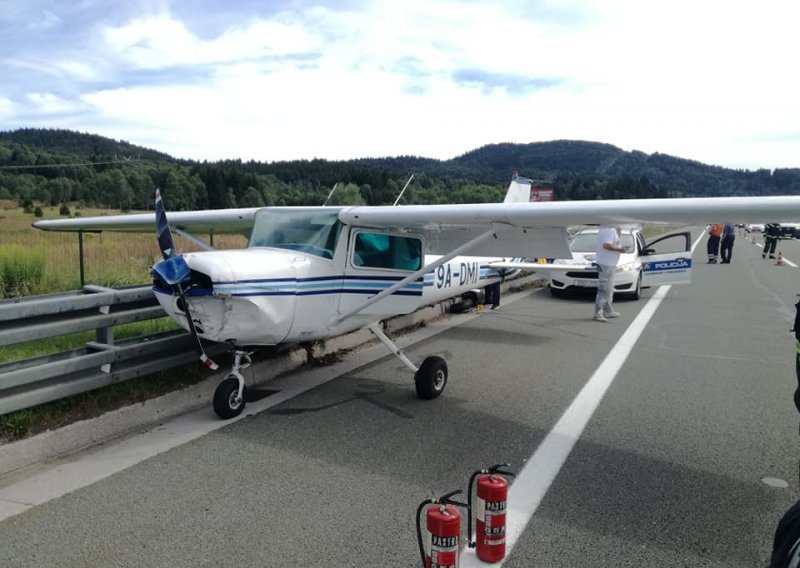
(86,146)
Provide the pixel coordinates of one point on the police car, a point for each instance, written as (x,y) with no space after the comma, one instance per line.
(666,259)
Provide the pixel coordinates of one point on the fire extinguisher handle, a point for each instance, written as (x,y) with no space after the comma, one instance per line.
(447,500)
(497,469)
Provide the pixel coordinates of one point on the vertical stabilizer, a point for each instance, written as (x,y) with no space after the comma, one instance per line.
(519,190)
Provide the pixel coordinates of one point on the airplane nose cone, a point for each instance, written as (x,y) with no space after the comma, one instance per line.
(173,270)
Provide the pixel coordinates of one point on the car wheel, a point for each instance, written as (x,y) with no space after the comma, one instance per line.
(637,291)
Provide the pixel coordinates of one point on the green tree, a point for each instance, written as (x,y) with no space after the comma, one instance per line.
(347,194)
(252,198)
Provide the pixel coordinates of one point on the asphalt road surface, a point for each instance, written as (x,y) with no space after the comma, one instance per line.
(667,437)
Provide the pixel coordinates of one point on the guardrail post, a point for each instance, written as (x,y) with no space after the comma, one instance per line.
(80,256)
(104,335)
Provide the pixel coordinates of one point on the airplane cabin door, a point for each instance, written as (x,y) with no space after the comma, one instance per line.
(375,261)
(667,260)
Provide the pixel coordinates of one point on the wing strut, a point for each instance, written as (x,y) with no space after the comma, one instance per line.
(414,276)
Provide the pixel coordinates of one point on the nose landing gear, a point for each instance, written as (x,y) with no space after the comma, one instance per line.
(229,397)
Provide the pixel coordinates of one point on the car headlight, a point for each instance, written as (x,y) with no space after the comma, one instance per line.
(625,267)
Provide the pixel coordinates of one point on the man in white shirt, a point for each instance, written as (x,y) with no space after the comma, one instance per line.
(608,250)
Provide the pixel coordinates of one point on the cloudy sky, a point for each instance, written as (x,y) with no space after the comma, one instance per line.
(714,81)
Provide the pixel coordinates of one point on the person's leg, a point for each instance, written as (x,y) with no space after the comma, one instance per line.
(608,310)
(488,294)
(604,289)
(495,295)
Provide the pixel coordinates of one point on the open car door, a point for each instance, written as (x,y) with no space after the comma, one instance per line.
(667,260)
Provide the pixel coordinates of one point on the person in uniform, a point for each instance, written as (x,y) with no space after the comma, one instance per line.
(772,232)
(712,247)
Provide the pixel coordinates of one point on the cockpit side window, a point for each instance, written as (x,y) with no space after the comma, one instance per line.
(380,250)
(305,230)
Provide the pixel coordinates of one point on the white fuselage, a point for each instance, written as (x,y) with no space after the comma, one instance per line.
(267,295)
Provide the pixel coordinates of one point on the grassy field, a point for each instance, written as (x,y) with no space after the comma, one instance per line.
(41,262)
(110,259)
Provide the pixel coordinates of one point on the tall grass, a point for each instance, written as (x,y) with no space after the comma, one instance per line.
(21,270)
(34,262)
(110,259)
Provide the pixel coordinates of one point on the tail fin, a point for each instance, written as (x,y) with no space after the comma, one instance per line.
(519,190)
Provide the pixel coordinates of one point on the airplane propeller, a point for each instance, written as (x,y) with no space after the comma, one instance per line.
(175,271)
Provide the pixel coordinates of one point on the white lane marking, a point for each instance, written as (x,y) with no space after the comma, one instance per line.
(28,490)
(531,484)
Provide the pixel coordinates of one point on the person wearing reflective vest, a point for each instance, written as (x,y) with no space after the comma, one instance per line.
(714,233)
(772,232)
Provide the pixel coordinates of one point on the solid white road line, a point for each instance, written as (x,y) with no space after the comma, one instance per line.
(531,484)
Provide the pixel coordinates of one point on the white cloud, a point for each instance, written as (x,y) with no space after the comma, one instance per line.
(158,42)
(709,81)
(48,103)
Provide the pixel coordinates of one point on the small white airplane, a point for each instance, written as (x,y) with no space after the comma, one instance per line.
(310,273)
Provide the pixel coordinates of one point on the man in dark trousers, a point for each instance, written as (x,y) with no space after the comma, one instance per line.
(714,234)
(492,295)
(772,232)
(726,247)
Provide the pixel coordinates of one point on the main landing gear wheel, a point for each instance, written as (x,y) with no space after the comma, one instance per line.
(431,378)
(227,403)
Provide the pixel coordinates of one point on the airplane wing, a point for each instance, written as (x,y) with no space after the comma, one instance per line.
(539,229)
(217,221)
(530,230)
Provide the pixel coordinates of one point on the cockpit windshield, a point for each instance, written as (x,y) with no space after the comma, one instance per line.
(310,231)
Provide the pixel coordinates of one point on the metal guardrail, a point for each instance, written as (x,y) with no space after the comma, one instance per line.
(99,363)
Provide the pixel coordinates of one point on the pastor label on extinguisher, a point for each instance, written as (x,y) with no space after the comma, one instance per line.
(444,542)
(444,551)
(486,511)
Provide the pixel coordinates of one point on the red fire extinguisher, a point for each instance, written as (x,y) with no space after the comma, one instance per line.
(490,513)
(441,548)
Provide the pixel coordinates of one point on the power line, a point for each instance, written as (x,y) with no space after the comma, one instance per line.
(70,165)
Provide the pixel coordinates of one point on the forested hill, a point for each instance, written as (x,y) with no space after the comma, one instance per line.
(58,166)
(84,146)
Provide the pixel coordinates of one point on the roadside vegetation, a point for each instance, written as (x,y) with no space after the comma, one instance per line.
(34,262)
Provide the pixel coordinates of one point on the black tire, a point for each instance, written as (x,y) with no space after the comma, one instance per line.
(225,399)
(431,378)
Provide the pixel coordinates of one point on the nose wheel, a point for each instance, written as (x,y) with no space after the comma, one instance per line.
(229,397)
